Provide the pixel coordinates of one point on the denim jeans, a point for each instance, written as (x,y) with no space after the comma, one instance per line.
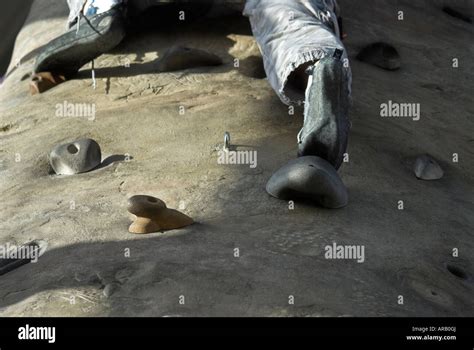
(289,33)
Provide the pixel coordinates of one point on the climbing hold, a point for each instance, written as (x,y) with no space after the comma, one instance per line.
(381,55)
(152,215)
(44,81)
(110,289)
(426,168)
(458,14)
(76,157)
(310,178)
(180,58)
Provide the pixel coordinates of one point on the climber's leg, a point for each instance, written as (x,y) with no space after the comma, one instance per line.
(306,62)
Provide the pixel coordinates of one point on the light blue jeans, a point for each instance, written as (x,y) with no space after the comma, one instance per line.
(289,33)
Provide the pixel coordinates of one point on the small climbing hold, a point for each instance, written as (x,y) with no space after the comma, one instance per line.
(426,168)
(457,14)
(152,215)
(381,55)
(19,256)
(309,177)
(181,58)
(75,157)
(44,81)
(110,289)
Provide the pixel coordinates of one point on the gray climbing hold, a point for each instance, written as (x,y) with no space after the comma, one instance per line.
(310,178)
(110,289)
(75,157)
(381,55)
(180,58)
(426,168)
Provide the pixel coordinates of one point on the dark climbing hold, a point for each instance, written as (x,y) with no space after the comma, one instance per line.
(381,55)
(311,178)
(457,14)
(426,168)
(16,257)
(181,58)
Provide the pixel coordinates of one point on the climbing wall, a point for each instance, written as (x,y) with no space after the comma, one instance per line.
(401,247)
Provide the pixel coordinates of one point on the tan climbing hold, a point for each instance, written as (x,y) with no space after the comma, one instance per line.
(153,215)
(44,81)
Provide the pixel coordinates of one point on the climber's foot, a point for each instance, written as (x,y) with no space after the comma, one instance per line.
(91,37)
(326,123)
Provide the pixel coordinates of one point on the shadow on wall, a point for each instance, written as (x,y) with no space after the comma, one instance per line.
(161,19)
(143,15)
(156,21)
(12,17)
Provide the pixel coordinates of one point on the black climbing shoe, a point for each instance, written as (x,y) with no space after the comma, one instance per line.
(326,122)
(82,43)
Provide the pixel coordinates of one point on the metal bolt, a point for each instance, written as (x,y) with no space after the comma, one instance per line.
(226,141)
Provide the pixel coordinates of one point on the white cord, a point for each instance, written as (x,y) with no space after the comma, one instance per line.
(94,83)
(78,23)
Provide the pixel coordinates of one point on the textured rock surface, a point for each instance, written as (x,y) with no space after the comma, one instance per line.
(426,168)
(152,215)
(85,220)
(310,178)
(75,157)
